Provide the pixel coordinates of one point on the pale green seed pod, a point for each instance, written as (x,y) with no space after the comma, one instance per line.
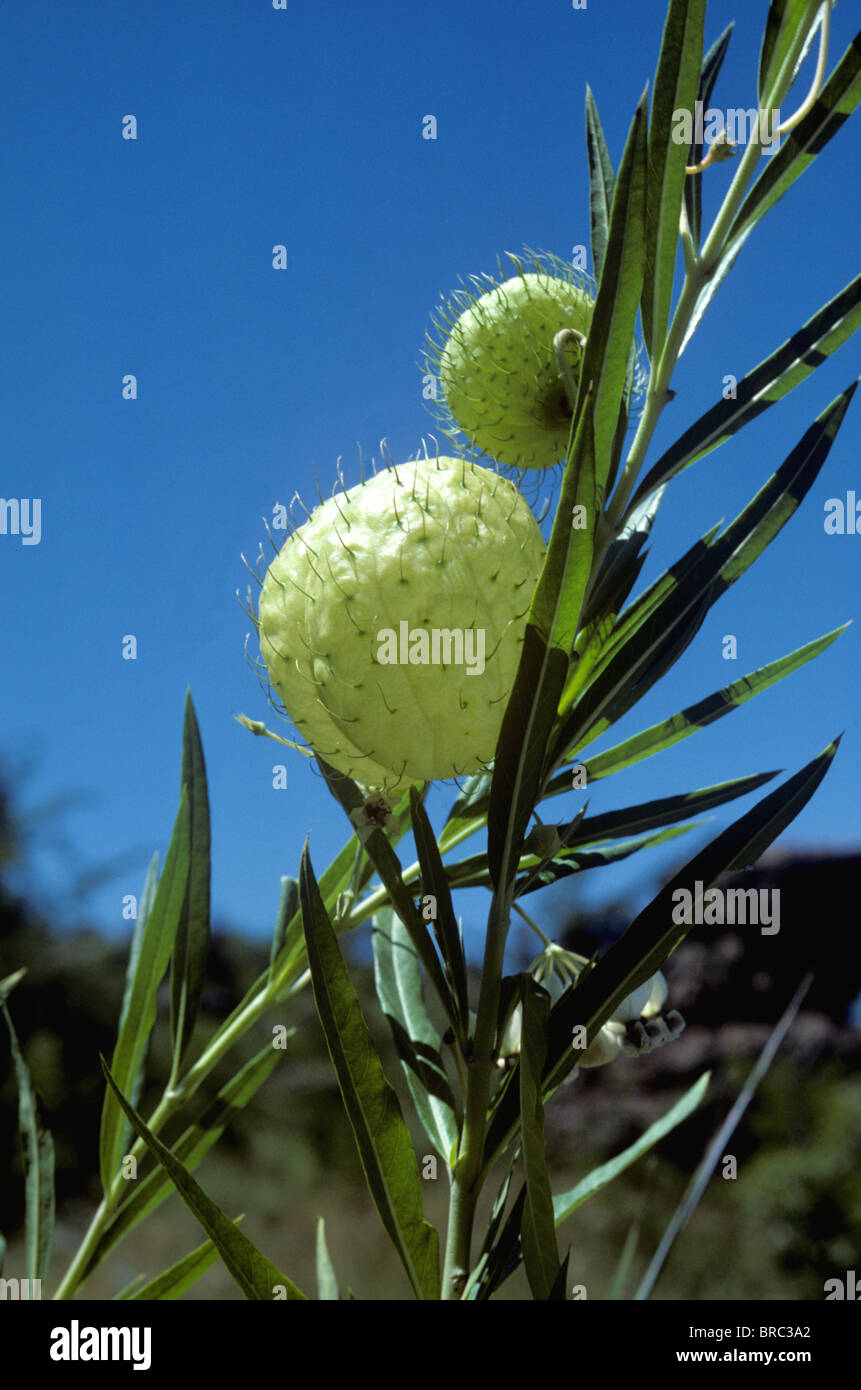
(498,368)
(391,622)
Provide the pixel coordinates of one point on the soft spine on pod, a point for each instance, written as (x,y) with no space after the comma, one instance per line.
(391,622)
(498,360)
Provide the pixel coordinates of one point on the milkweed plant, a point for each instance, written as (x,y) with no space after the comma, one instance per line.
(415,628)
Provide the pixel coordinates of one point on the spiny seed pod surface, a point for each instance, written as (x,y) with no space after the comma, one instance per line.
(391,622)
(499,371)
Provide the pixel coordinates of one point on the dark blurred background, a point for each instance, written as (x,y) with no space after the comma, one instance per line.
(791,1219)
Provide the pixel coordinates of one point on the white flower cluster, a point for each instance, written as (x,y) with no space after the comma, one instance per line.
(637,1026)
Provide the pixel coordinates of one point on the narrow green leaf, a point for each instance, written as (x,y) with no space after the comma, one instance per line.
(537,1232)
(647,628)
(768,383)
(399,990)
(667,810)
(127,1290)
(445,923)
(626,625)
(712,64)
(291,956)
(258,1278)
(390,871)
(784,19)
(675,89)
(145,904)
(622,563)
(718,1145)
(567,1202)
(698,716)
(559,1292)
(382,1138)
(288,907)
(645,659)
(551,627)
(526,728)
(468,811)
(611,333)
(38,1147)
(602,181)
(508,1251)
(537,873)
(327,1283)
(156,945)
(188,966)
(653,936)
(173,1282)
(7,985)
(832,108)
(191,1147)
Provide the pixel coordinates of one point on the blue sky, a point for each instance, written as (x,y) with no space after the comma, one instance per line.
(153,256)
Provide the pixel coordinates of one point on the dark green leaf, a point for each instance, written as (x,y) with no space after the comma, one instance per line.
(698,716)
(188,966)
(712,64)
(38,1147)
(768,383)
(445,923)
(479,1281)
(156,945)
(538,1231)
(554,618)
(653,935)
(675,89)
(147,898)
(192,1146)
(256,1276)
(390,871)
(382,1138)
(667,810)
(611,333)
(647,629)
(832,108)
(602,180)
(537,873)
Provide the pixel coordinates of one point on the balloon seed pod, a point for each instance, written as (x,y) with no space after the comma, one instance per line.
(391,622)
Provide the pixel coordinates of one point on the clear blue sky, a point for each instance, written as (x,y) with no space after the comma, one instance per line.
(153,257)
